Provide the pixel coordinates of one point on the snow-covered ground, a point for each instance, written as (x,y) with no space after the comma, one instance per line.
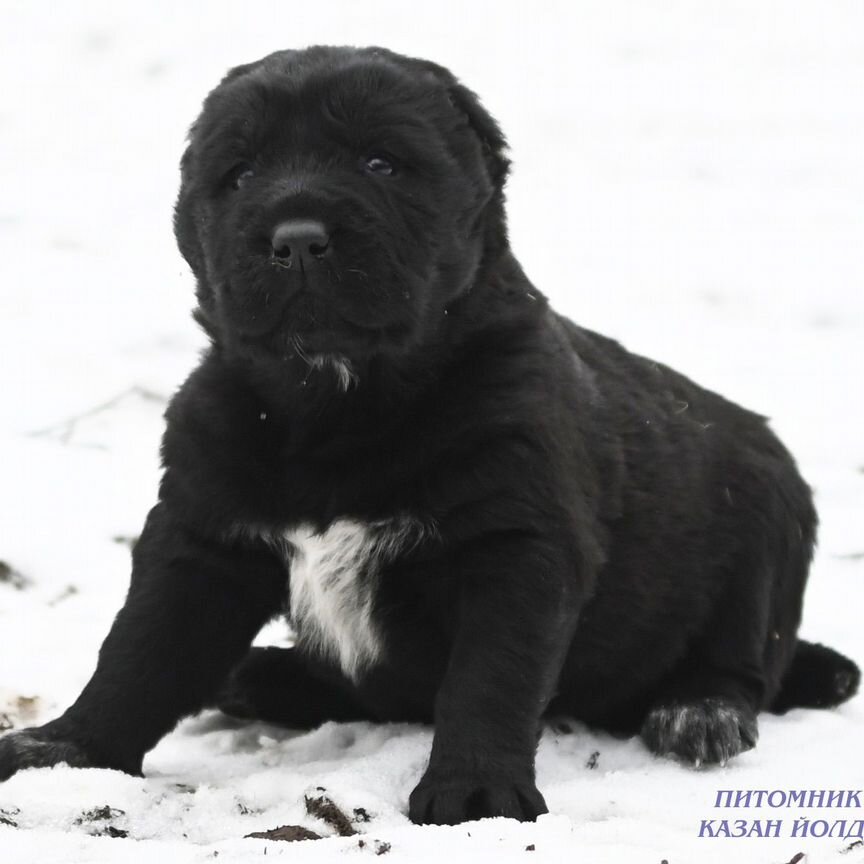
(687,177)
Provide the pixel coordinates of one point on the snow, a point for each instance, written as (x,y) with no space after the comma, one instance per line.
(687,178)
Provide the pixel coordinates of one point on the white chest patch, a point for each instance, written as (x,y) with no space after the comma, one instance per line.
(334,577)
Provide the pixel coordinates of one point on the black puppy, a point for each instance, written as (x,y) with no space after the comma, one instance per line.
(473,510)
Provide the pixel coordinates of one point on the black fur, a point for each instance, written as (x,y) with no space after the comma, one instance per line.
(601,536)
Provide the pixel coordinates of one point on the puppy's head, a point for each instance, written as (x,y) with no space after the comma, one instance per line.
(334,200)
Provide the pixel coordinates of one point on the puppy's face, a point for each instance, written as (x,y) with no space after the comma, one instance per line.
(335,200)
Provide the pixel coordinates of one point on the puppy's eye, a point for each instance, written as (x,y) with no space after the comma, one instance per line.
(238,175)
(379,165)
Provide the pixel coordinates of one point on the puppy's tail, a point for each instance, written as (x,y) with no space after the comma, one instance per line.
(818,677)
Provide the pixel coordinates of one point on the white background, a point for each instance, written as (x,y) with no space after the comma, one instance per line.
(687,177)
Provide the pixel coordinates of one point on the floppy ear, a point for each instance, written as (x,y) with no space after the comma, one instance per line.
(187,217)
(482,123)
(185,229)
(485,127)
(493,145)
(187,234)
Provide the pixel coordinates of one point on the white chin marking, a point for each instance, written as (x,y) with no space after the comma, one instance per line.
(345,373)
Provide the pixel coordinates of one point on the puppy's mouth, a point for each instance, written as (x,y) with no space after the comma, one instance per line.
(332,304)
(275,322)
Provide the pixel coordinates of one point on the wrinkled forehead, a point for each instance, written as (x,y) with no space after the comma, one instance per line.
(353,97)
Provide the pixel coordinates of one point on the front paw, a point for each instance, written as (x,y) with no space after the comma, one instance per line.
(448,799)
(34,748)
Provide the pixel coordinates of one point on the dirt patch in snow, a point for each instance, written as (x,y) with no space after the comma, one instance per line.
(319,805)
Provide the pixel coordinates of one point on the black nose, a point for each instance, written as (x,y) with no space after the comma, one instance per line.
(299,240)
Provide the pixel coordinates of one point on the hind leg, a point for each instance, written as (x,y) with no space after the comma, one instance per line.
(282,686)
(706,711)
